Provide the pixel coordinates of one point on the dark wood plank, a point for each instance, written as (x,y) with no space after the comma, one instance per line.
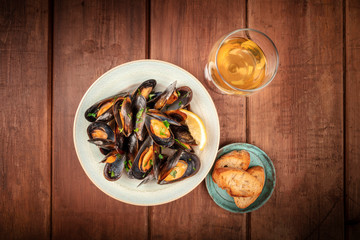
(352,123)
(25,130)
(90,38)
(298,120)
(183,32)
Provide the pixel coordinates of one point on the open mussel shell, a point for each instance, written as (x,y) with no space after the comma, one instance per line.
(160,101)
(177,115)
(184,98)
(126,117)
(167,166)
(185,166)
(162,116)
(113,170)
(145,89)
(100,130)
(143,162)
(157,130)
(102,110)
(183,134)
(139,108)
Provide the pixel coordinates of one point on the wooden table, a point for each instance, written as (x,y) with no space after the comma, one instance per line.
(307,120)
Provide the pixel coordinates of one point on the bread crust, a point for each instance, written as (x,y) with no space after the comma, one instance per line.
(235,159)
(259,173)
(237,182)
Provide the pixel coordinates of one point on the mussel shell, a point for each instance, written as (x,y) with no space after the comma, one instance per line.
(91,112)
(126,116)
(132,144)
(183,100)
(106,129)
(177,115)
(135,169)
(144,89)
(182,134)
(115,167)
(193,166)
(103,143)
(166,142)
(116,111)
(139,107)
(105,151)
(162,116)
(160,101)
(169,165)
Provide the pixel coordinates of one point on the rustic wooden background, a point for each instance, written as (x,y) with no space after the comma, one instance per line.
(307,120)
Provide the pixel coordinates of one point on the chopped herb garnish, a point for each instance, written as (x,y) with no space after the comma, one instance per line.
(181,143)
(162,131)
(194,168)
(91,115)
(147,109)
(155,151)
(112,174)
(139,113)
(166,123)
(151,162)
(151,95)
(136,130)
(178,93)
(139,121)
(190,159)
(126,165)
(130,163)
(180,103)
(129,115)
(118,155)
(146,163)
(173,173)
(116,97)
(161,156)
(144,175)
(121,129)
(139,92)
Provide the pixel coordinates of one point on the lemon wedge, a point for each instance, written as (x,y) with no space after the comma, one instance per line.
(196,128)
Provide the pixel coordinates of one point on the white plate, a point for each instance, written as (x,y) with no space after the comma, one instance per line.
(127,77)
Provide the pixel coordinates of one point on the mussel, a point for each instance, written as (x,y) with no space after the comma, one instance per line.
(183,134)
(123,115)
(145,89)
(159,132)
(162,116)
(102,110)
(184,98)
(143,162)
(160,101)
(139,108)
(101,135)
(177,115)
(179,167)
(114,166)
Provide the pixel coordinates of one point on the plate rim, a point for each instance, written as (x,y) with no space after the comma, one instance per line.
(245,210)
(114,69)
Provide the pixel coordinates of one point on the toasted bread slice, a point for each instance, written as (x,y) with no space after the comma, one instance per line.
(234,159)
(237,182)
(244,202)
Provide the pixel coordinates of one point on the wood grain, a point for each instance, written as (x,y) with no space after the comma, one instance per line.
(298,120)
(90,37)
(24,131)
(183,32)
(352,123)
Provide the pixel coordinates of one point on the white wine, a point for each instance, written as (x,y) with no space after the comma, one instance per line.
(241,63)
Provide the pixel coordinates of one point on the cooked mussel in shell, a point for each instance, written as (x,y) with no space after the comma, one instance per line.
(143,162)
(102,110)
(101,135)
(114,166)
(159,132)
(179,168)
(145,88)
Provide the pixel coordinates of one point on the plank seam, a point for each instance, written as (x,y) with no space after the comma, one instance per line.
(346,235)
(50,104)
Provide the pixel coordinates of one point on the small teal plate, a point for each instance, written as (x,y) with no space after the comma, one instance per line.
(257,158)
